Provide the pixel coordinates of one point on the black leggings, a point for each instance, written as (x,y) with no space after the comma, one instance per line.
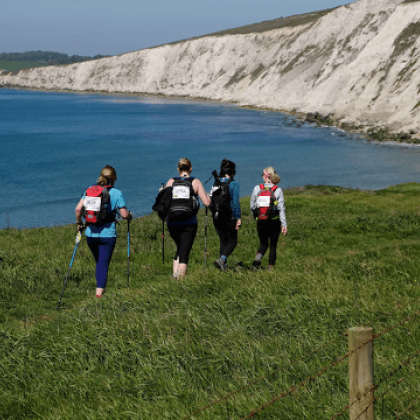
(183,236)
(228,235)
(269,230)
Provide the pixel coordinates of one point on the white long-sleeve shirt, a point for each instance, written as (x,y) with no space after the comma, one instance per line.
(280,201)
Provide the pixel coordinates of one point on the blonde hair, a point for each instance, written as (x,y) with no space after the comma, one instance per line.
(108,176)
(184,164)
(272,175)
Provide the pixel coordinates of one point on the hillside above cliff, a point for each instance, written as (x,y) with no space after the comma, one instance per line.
(356,65)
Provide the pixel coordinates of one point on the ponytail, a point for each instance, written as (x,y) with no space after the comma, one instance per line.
(184,164)
(272,175)
(108,176)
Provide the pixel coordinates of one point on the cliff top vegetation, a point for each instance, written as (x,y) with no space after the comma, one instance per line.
(46,57)
(268,25)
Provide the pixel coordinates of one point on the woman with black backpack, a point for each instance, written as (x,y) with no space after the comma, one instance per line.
(226,218)
(267,205)
(182,218)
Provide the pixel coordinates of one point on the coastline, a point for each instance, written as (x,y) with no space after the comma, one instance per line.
(379,134)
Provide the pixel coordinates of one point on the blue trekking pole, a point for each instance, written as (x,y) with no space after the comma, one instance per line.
(78,238)
(205,241)
(128,252)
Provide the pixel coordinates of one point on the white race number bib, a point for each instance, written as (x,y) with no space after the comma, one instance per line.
(93,203)
(263,201)
(181,192)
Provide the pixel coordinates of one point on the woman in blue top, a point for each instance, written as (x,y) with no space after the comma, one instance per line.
(101,239)
(227,227)
(183,231)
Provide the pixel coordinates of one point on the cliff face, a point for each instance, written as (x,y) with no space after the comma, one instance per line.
(358,62)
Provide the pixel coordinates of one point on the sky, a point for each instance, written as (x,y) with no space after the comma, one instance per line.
(111,27)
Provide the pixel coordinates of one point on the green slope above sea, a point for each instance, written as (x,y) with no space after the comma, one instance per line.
(162,349)
(18,65)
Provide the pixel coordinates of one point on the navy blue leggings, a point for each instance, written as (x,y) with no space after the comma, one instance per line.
(102,249)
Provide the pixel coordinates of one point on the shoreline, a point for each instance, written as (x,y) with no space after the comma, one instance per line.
(303,189)
(379,134)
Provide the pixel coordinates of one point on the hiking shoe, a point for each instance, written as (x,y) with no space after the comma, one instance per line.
(270,268)
(221,264)
(256,263)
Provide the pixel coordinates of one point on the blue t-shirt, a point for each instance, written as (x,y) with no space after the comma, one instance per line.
(108,230)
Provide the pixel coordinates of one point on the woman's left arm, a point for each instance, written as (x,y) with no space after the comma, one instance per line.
(236,205)
(282,209)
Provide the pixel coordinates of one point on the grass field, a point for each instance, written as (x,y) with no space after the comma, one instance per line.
(18,65)
(161,349)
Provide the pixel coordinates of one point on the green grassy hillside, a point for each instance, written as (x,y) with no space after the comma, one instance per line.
(161,348)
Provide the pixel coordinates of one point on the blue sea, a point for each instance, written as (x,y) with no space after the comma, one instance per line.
(53,146)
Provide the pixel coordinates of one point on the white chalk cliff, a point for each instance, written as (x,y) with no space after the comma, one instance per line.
(359,62)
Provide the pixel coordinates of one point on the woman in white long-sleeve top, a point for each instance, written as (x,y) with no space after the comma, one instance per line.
(267,205)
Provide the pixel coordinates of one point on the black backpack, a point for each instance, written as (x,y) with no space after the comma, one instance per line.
(220,200)
(184,203)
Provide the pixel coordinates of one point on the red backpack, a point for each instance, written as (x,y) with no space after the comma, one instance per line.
(266,203)
(97,205)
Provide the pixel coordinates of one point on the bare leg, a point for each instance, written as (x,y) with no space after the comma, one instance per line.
(175,269)
(99,292)
(182,270)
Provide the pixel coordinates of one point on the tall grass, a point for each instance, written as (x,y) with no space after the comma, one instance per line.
(163,348)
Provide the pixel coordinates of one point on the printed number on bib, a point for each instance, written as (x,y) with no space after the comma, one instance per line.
(93,203)
(263,201)
(181,192)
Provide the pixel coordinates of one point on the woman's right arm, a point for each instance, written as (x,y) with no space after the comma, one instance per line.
(253,201)
(78,212)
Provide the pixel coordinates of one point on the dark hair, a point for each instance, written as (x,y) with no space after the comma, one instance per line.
(227,167)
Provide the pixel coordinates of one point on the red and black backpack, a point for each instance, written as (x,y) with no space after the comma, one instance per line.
(97,206)
(266,204)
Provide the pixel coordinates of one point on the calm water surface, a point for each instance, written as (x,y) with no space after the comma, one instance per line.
(53,146)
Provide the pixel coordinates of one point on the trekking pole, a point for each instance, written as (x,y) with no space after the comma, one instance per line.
(205,241)
(128,252)
(213,175)
(163,236)
(78,238)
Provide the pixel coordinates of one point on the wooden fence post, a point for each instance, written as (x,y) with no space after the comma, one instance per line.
(361,373)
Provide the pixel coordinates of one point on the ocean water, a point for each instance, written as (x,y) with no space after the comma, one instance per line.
(53,146)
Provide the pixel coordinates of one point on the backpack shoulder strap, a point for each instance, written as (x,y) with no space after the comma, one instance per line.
(274,188)
(262,186)
(189,180)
